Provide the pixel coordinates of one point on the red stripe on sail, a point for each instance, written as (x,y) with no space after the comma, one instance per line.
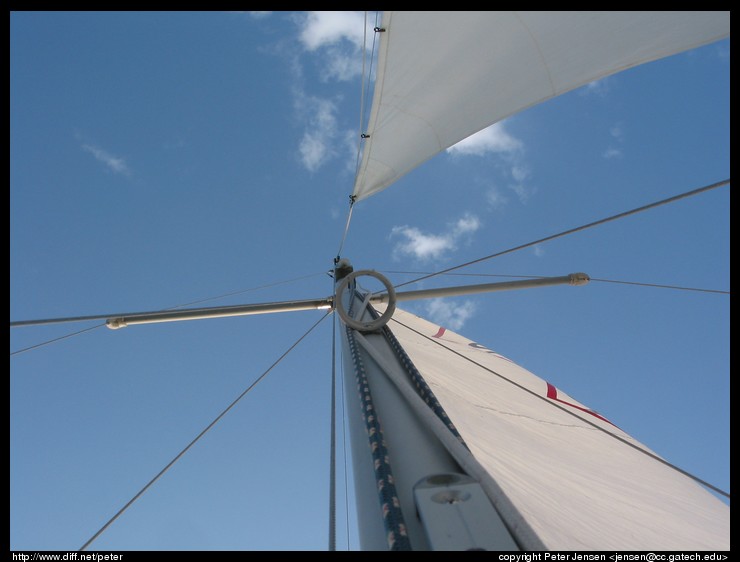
(552,394)
(439,333)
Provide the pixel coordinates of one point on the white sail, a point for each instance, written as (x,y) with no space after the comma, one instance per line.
(580,482)
(92,423)
(443,76)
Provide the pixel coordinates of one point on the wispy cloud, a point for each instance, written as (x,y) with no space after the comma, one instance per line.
(509,150)
(520,173)
(339,37)
(114,163)
(333,41)
(449,314)
(316,147)
(491,140)
(617,134)
(425,247)
(327,28)
(612,152)
(599,87)
(496,198)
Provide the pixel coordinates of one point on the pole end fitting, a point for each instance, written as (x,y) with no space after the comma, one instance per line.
(579,278)
(115,323)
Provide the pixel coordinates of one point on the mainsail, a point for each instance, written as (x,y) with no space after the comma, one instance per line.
(577,480)
(443,76)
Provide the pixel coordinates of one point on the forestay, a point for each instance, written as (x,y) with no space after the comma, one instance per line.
(579,481)
(443,76)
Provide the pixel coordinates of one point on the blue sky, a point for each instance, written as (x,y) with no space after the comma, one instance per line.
(158,159)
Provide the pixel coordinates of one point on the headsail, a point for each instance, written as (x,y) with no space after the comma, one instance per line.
(443,76)
(579,481)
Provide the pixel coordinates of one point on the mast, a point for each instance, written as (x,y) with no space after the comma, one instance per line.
(412,483)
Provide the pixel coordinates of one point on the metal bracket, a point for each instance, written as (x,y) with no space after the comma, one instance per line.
(457,515)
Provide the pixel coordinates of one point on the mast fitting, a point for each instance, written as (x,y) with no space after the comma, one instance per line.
(579,278)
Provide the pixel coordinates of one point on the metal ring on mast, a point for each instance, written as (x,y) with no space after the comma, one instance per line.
(372,325)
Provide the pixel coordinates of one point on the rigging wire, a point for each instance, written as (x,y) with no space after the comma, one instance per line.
(332,443)
(201,434)
(362,97)
(573,230)
(617,437)
(361,136)
(656,285)
(346,228)
(55,340)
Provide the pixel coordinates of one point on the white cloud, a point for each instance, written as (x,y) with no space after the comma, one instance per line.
(328,28)
(523,192)
(339,37)
(449,314)
(351,146)
(496,198)
(520,172)
(617,133)
(115,163)
(333,43)
(496,140)
(493,139)
(314,151)
(429,247)
(468,223)
(599,87)
(316,145)
(423,247)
